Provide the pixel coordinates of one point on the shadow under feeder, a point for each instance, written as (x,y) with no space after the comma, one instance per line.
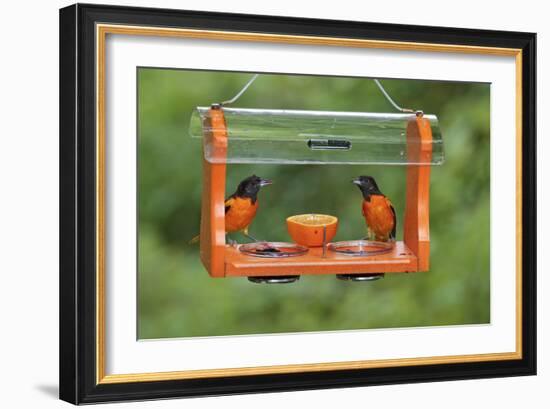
(302,137)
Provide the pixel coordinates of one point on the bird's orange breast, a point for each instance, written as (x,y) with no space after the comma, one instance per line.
(240,214)
(379,216)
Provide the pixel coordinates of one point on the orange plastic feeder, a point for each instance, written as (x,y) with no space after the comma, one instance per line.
(299,137)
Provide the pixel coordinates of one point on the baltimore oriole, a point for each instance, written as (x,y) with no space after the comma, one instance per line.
(241,206)
(377,209)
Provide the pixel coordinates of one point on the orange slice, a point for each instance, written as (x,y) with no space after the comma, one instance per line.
(307,229)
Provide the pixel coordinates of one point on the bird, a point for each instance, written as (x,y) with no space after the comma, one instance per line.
(241,206)
(377,209)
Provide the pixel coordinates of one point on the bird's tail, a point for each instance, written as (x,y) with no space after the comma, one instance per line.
(195,239)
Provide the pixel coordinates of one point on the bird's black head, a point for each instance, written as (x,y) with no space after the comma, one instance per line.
(250,187)
(367,185)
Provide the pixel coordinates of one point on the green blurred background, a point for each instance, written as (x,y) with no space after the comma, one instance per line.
(177,298)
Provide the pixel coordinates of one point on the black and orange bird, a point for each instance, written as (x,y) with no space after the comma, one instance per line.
(241,206)
(377,209)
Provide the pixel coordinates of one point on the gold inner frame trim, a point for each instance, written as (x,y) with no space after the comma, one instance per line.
(101,32)
(281,369)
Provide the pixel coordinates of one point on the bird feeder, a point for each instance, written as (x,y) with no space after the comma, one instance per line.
(264,136)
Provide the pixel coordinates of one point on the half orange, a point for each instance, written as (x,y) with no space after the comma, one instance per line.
(307,229)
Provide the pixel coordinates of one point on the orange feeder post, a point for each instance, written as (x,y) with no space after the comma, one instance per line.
(407,256)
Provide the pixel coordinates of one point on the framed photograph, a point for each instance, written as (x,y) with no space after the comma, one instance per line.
(258,203)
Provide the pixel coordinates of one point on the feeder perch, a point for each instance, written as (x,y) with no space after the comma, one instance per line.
(260,136)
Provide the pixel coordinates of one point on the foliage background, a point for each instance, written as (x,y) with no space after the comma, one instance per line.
(177,298)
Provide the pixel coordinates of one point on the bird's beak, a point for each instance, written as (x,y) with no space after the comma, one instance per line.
(265,182)
(356,181)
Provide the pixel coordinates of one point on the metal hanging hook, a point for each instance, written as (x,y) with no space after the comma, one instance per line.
(236,97)
(390,100)
(376,81)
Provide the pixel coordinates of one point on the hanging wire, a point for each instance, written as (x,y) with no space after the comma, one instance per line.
(391,101)
(236,97)
(376,81)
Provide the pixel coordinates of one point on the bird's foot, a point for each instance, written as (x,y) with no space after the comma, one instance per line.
(231,242)
(248,236)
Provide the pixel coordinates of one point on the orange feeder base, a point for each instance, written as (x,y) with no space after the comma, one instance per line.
(399,260)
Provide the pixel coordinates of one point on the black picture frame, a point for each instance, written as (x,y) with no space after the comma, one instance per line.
(77,318)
